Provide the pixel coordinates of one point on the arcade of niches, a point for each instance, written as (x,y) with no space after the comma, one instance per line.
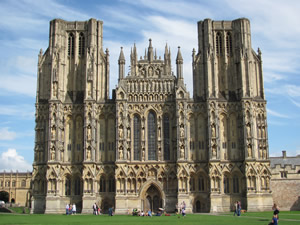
(151,145)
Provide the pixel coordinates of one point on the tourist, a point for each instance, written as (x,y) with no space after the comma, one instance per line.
(73,209)
(149,213)
(70,209)
(275,208)
(67,209)
(235,208)
(94,208)
(183,212)
(239,207)
(274,220)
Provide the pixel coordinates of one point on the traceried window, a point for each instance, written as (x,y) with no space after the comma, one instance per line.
(71,44)
(235,182)
(201,183)
(111,185)
(219,44)
(102,184)
(137,137)
(166,122)
(77,185)
(226,184)
(228,44)
(151,136)
(81,45)
(68,186)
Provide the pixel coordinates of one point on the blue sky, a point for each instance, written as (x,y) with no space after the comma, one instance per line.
(24,30)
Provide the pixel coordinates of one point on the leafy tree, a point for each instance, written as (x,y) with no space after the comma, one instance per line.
(4,196)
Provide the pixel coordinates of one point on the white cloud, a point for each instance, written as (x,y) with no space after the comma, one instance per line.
(5,134)
(11,160)
(277,114)
(21,111)
(20,84)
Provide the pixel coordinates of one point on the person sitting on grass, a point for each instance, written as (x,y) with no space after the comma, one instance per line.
(149,213)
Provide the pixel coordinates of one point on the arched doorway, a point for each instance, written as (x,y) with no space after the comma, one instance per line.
(4,196)
(153,199)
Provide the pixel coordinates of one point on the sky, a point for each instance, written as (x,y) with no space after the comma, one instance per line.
(24,30)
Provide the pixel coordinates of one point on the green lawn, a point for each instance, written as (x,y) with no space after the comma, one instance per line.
(263,218)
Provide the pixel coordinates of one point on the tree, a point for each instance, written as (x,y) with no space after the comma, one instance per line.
(4,196)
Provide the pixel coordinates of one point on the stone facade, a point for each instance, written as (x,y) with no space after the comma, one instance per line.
(285,181)
(151,145)
(18,187)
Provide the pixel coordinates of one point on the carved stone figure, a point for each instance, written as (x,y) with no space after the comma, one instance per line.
(249,150)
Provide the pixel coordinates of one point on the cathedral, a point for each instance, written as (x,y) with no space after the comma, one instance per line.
(151,145)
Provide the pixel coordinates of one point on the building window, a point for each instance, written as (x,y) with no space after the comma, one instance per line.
(233,145)
(111,185)
(235,184)
(23,184)
(1,183)
(71,45)
(7,183)
(228,44)
(77,185)
(283,174)
(67,186)
(137,137)
(102,184)
(14,183)
(226,184)
(219,44)
(166,137)
(151,136)
(81,45)
(78,147)
(201,183)
(69,147)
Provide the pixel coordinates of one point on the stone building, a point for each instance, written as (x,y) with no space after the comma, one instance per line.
(285,181)
(151,145)
(17,185)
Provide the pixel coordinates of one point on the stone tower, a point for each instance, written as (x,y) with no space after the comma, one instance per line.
(151,146)
(228,81)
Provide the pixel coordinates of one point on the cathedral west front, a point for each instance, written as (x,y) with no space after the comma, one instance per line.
(151,145)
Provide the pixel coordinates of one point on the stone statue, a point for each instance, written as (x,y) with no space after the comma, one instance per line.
(182,131)
(121,153)
(182,152)
(249,151)
(88,154)
(120,132)
(213,131)
(248,131)
(89,133)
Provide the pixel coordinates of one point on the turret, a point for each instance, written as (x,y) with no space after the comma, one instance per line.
(150,51)
(179,63)
(121,62)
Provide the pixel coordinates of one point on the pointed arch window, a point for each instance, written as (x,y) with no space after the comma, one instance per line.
(166,122)
(102,184)
(235,182)
(226,184)
(201,183)
(71,44)
(67,186)
(137,137)
(219,44)
(77,185)
(228,44)
(151,136)
(81,45)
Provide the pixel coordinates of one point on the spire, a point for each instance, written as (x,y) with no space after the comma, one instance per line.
(121,62)
(179,62)
(121,57)
(150,51)
(179,59)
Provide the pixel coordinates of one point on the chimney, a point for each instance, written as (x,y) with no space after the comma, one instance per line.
(284,154)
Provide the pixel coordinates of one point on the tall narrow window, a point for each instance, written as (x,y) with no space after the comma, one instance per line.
(151,136)
(71,45)
(102,184)
(81,45)
(166,122)
(228,44)
(219,44)
(201,183)
(235,182)
(137,137)
(67,186)
(77,185)
(226,184)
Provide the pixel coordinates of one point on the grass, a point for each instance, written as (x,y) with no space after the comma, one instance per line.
(259,218)
(19,209)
